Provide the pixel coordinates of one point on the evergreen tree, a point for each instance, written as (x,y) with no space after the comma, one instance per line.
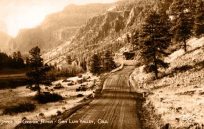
(128,38)
(155,39)
(182,21)
(69,59)
(5,61)
(192,8)
(135,40)
(199,18)
(19,62)
(27,62)
(95,64)
(118,25)
(182,30)
(83,64)
(14,59)
(109,63)
(38,74)
(14,62)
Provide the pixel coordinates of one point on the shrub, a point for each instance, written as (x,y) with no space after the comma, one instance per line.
(79,75)
(58,86)
(71,83)
(65,80)
(183,68)
(47,97)
(69,71)
(129,55)
(20,108)
(42,115)
(148,68)
(24,118)
(79,81)
(78,89)
(81,88)
(80,95)
(59,113)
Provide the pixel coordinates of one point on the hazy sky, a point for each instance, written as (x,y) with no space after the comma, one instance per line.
(18,14)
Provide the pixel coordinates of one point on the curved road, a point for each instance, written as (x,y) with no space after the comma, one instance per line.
(115,109)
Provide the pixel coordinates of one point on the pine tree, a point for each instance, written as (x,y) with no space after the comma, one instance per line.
(199,18)
(83,64)
(27,62)
(155,39)
(38,74)
(36,60)
(182,30)
(192,7)
(69,59)
(95,64)
(135,40)
(18,61)
(6,61)
(182,21)
(109,63)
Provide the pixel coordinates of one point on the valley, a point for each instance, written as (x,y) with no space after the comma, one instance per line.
(135,64)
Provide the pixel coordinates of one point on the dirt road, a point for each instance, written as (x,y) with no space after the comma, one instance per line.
(115,109)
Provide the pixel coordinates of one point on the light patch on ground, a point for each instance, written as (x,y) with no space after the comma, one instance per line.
(178,97)
(21,94)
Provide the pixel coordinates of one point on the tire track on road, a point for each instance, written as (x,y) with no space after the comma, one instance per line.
(117,105)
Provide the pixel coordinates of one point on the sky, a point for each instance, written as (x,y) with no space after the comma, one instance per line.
(19,14)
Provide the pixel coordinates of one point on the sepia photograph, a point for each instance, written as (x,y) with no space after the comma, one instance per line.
(101,64)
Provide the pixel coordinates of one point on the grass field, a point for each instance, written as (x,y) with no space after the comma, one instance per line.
(71,98)
(12,78)
(13,71)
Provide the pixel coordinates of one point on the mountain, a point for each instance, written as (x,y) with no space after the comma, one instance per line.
(4,41)
(57,28)
(107,31)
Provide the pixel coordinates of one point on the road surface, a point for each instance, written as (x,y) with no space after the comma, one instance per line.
(115,109)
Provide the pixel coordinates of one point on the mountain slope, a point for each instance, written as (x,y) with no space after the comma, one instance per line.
(107,31)
(57,28)
(177,98)
(4,41)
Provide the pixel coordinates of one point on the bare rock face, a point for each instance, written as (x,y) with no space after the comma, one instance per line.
(101,26)
(106,31)
(132,17)
(99,33)
(93,36)
(57,28)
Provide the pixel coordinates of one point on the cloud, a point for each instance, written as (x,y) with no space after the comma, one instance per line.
(3,26)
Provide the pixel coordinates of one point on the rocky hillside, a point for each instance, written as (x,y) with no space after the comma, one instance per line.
(177,98)
(107,31)
(57,28)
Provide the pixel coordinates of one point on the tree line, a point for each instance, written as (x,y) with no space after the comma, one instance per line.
(183,19)
(102,63)
(38,72)
(97,63)
(12,62)
(37,75)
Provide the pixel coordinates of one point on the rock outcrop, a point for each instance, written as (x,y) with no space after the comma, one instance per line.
(106,31)
(57,28)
